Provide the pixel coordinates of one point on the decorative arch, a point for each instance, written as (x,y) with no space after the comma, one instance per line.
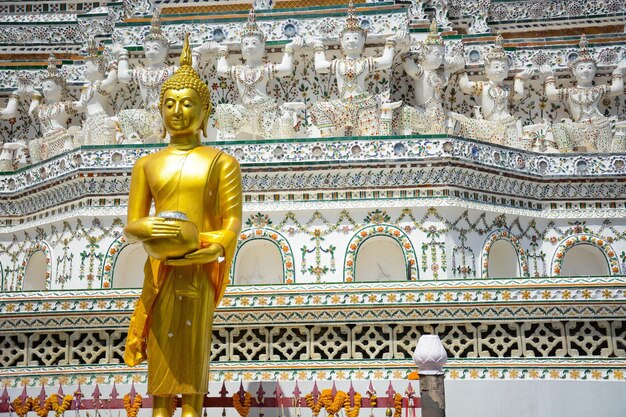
(39,246)
(270,235)
(349,265)
(106,279)
(522,257)
(584,239)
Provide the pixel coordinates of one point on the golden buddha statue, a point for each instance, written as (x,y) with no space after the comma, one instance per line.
(196,191)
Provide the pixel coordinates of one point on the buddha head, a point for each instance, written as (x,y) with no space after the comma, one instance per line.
(431,54)
(352,36)
(584,66)
(252,39)
(53,84)
(155,44)
(185,101)
(497,62)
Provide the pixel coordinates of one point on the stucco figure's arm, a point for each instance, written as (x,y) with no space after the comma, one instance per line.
(206,48)
(11,110)
(34,104)
(467,86)
(455,64)
(285,68)
(124,73)
(412,69)
(617,83)
(322,65)
(551,91)
(222,68)
(110,82)
(81,105)
(386,59)
(518,84)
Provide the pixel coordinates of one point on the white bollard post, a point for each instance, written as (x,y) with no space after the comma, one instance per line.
(430,356)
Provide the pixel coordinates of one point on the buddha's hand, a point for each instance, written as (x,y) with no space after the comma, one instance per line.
(201,256)
(150,228)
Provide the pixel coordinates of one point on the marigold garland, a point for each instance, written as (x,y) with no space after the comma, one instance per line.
(332,405)
(242,409)
(352,411)
(397,404)
(22,410)
(373,400)
(132,409)
(41,412)
(315,407)
(65,404)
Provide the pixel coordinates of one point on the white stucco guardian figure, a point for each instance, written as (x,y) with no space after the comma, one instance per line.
(431,77)
(53,115)
(366,113)
(258,115)
(98,128)
(588,130)
(145,125)
(494,122)
(10,112)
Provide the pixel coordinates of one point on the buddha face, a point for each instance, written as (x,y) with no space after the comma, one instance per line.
(252,48)
(183,113)
(51,90)
(352,42)
(497,71)
(155,51)
(585,71)
(433,58)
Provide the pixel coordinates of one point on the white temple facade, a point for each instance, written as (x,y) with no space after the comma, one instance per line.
(477,193)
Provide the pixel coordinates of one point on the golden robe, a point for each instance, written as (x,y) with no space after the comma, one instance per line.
(172,322)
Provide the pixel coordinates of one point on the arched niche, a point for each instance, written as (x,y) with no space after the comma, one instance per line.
(36,272)
(584,260)
(364,235)
(592,255)
(503,260)
(128,267)
(503,256)
(259,261)
(380,258)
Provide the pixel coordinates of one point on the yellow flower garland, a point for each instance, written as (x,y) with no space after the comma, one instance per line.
(397,403)
(132,409)
(244,409)
(22,410)
(352,411)
(65,404)
(332,405)
(315,407)
(41,412)
(373,400)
